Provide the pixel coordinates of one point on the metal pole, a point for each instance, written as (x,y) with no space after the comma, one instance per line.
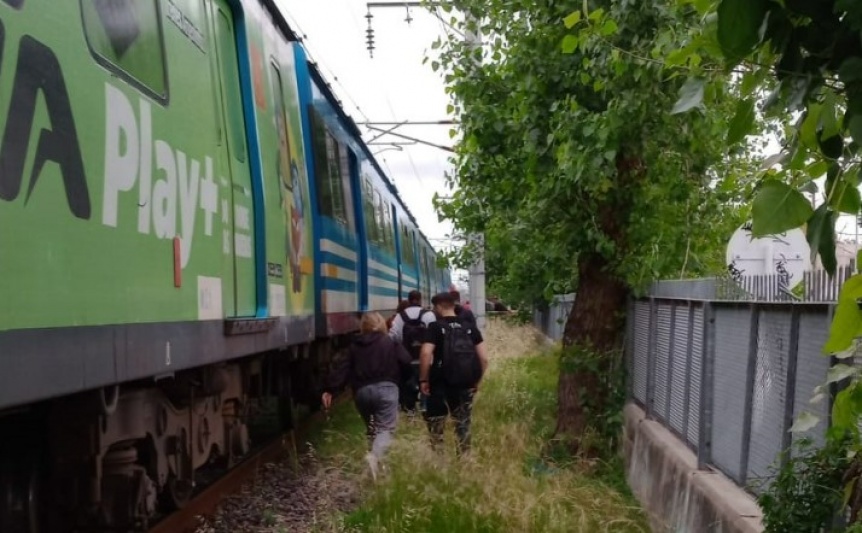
(477,270)
(704,445)
(751,373)
(790,385)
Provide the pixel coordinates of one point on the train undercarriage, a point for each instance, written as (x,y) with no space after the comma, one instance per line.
(118,458)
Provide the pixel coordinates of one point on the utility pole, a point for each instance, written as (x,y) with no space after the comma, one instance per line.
(477,270)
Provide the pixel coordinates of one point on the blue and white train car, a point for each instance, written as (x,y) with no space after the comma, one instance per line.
(369,252)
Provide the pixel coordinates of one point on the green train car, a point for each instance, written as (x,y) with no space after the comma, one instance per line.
(171,258)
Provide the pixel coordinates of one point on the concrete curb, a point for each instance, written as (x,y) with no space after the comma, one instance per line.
(662,472)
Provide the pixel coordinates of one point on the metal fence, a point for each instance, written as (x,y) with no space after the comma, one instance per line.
(551,320)
(729,376)
(728,365)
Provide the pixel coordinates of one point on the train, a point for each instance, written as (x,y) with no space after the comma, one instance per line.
(190,228)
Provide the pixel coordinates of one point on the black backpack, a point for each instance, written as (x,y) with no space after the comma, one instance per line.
(413,333)
(460,366)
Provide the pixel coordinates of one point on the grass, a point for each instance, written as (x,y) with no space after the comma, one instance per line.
(510,482)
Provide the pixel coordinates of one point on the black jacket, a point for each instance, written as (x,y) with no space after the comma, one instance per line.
(372,358)
(465,315)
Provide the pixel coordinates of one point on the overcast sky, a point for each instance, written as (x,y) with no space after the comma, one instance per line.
(392,86)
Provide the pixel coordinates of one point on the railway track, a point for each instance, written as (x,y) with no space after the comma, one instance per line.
(206,502)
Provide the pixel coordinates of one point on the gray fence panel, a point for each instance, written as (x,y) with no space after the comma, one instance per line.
(662,359)
(731,364)
(770,386)
(811,370)
(692,421)
(641,351)
(679,360)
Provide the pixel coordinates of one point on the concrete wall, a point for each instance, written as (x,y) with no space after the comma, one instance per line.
(662,472)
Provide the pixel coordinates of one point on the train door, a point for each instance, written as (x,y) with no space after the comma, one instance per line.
(357,183)
(233,165)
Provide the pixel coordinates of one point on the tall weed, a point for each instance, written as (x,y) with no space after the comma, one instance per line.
(511,481)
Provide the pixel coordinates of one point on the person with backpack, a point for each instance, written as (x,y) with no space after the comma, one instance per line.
(463,312)
(452,362)
(408,328)
(374,367)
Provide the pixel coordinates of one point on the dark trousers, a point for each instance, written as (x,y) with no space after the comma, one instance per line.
(409,392)
(457,403)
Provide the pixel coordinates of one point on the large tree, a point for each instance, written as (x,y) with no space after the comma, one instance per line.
(572,164)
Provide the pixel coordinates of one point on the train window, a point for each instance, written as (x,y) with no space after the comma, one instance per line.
(327,164)
(408,252)
(125,36)
(390,229)
(346,159)
(230,86)
(368,211)
(378,219)
(334,184)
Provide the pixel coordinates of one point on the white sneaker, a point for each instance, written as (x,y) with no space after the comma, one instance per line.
(371,459)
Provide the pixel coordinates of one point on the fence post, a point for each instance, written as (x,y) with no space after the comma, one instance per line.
(754,321)
(670,362)
(651,349)
(790,391)
(629,347)
(688,359)
(833,387)
(704,445)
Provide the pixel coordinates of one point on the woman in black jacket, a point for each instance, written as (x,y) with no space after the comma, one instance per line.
(374,367)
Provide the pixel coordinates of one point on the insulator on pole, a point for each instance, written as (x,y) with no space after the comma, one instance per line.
(369,39)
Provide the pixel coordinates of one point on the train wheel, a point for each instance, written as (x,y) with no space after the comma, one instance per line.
(19,492)
(176,493)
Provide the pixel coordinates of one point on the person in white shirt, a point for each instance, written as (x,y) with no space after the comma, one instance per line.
(408,328)
(414,310)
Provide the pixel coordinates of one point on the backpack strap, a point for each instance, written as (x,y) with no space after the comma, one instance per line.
(404,317)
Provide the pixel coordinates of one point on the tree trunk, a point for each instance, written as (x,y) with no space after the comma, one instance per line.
(595,324)
(591,339)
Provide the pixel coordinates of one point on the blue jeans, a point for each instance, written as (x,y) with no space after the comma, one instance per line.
(378,406)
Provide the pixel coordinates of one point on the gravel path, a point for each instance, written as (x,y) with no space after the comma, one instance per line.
(285,498)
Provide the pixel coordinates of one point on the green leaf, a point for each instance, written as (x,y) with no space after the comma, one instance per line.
(845,196)
(572,19)
(840,372)
(609,28)
(739,24)
(804,422)
(847,408)
(570,43)
(749,83)
(690,96)
(847,322)
(817,398)
(820,235)
(855,128)
(742,121)
(817,169)
(808,129)
(850,70)
(828,120)
(778,208)
(596,15)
